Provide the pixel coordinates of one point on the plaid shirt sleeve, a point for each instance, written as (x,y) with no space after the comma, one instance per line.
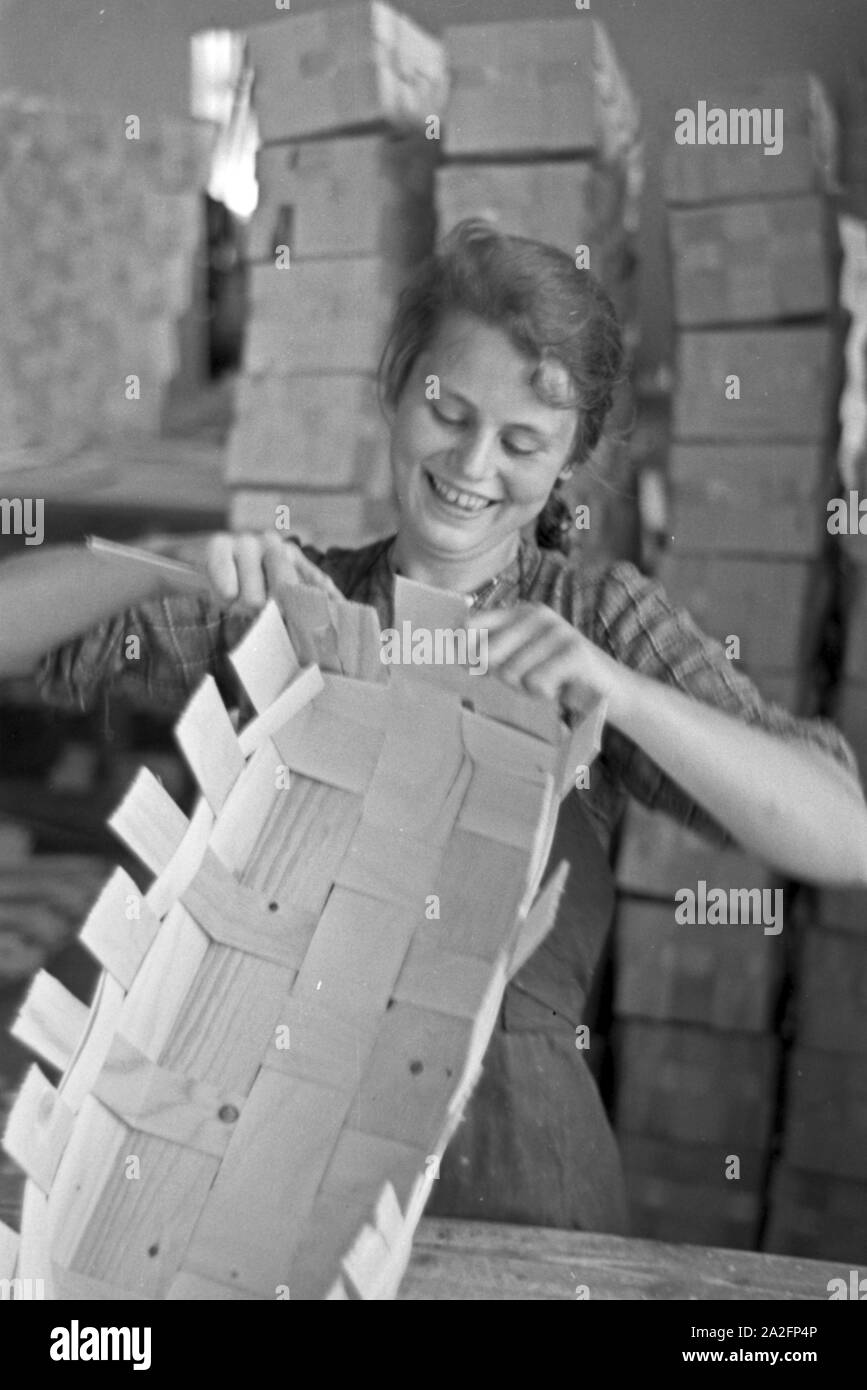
(154,655)
(636,623)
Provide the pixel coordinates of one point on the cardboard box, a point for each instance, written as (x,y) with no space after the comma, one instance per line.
(312,431)
(776,608)
(749,499)
(566,203)
(657,857)
(826,1112)
(342,68)
(760,260)
(368,195)
(323,519)
(808,160)
(718,976)
(320,316)
(831,992)
(694,1086)
(816,1216)
(787,380)
(535,87)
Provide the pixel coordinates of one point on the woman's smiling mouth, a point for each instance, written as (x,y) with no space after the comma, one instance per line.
(470,503)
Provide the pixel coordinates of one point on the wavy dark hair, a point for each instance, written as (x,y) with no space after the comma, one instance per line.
(551,311)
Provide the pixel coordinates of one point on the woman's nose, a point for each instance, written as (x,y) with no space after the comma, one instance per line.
(473,460)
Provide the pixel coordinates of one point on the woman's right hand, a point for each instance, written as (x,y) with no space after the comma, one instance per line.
(250,567)
(247,568)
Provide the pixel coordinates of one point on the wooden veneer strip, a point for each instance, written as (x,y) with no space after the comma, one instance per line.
(38,1128)
(51,1021)
(120,928)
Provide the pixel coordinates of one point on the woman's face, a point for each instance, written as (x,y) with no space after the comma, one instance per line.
(474,451)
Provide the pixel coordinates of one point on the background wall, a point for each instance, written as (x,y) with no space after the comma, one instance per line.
(133,54)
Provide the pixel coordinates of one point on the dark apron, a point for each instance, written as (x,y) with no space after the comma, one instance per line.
(535,1146)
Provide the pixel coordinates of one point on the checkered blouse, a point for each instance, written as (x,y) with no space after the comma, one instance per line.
(625,613)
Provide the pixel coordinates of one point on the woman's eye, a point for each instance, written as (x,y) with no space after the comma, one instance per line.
(445,416)
(518,450)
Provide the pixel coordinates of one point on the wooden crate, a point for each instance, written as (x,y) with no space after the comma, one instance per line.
(284,1037)
(794,690)
(343,68)
(855,617)
(324,519)
(536,87)
(366,195)
(657,857)
(851,716)
(566,203)
(816,1216)
(831,992)
(839,908)
(311,432)
(788,384)
(807,162)
(328,316)
(720,976)
(679,1192)
(100,234)
(762,260)
(826,1112)
(750,499)
(695,1086)
(777,608)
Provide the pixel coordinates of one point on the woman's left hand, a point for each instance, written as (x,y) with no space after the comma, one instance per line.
(532,647)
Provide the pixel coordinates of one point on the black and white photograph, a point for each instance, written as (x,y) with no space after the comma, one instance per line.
(433,668)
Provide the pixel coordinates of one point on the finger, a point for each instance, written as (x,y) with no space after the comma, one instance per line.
(251,576)
(221,568)
(310,573)
(508,639)
(536,651)
(279,566)
(552,676)
(494,618)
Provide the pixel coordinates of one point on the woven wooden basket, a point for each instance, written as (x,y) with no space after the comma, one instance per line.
(291,1018)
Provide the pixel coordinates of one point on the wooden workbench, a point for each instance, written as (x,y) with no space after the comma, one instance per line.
(479,1260)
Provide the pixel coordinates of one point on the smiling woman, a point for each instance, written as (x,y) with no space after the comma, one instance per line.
(497,378)
(498,375)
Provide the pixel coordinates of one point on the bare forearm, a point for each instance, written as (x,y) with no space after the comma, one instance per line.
(789,803)
(52,597)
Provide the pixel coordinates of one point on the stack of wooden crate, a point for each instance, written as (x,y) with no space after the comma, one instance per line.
(818,1190)
(345,211)
(696,1059)
(818,1194)
(754,251)
(751,467)
(100,219)
(542,138)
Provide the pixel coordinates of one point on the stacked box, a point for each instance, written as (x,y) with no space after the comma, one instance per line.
(694,1113)
(542,138)
(807,162)
(755,255)
(852,452)
(754,267)
(345,213)
(818,1195)
(696,997)
(99,234)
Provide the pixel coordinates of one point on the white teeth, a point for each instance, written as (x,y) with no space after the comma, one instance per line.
(457,499)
